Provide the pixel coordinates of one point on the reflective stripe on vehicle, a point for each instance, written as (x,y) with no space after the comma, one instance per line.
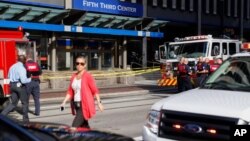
(6,81)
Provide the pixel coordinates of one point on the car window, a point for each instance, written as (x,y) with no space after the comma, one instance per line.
(42,134)
(234,74)
(9,133)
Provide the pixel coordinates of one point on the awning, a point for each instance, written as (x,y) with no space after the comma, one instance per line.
(69,20)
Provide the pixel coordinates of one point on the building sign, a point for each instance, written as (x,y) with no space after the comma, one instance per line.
(109,6)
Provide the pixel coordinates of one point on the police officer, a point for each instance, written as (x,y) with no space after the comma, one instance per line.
(178,74)
(215,66)
(33,87)
(184,74)
(18,79)
(202,71)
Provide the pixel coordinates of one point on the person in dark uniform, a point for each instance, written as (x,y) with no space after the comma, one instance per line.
(184,74)
(202,70)
(178,74)
(18,79)
(215,66)
(33,88)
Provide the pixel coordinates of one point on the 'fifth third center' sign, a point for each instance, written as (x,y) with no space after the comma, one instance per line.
(109,6)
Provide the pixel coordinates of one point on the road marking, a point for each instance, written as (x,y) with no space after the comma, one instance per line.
(138,138)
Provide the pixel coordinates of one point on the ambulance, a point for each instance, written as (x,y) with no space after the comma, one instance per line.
(192,47)
(12,44)
(209,112)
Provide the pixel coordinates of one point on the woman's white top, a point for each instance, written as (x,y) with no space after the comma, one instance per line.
(76,86)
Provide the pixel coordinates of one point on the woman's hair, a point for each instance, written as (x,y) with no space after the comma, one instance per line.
(81,57)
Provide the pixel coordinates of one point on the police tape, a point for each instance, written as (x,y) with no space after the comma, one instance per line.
(102,74)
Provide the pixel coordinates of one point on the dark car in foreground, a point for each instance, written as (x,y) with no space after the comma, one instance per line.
(11,130)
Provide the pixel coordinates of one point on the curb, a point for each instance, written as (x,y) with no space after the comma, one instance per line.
(104,95)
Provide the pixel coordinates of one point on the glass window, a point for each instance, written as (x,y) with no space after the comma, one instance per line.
(188,50)
(233,75)
(106,60)
(162,52)
(11,133)
(215,49)
(232,48)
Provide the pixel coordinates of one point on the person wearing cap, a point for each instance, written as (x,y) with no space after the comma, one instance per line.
(18,79)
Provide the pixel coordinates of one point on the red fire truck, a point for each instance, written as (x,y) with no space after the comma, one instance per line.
(12,44)
(193,47)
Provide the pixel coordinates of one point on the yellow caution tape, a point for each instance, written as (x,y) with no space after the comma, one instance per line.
(100,74)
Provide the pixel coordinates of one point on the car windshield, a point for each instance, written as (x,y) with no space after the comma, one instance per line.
(234,74)
(188,50)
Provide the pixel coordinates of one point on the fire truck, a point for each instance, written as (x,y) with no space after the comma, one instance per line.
(12,44)
(193,47)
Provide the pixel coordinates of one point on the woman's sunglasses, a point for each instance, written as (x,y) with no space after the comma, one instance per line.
(80,63)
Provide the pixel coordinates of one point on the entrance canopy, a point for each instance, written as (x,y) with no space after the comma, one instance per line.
(69,20)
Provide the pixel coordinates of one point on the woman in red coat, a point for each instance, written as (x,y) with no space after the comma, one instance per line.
(81,92)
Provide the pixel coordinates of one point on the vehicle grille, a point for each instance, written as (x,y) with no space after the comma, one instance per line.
(204,122)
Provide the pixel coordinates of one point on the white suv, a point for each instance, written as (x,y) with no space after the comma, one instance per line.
(205,113)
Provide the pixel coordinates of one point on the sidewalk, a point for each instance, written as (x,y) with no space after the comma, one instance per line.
(144,86)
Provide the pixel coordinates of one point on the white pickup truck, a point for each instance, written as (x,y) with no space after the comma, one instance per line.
(205,113)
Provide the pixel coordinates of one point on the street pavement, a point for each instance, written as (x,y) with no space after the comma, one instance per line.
(125,108)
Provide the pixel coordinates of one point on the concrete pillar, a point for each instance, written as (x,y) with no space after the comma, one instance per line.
(120,51)
(125,56)
(113,58)
(144,52)
(71,61)
(145,8)
(241,23)
(199,13)
(53,54)
(100,60)
(116,54)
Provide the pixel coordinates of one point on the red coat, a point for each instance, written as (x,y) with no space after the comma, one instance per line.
(88,91)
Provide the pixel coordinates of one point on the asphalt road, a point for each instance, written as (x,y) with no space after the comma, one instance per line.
(124,114)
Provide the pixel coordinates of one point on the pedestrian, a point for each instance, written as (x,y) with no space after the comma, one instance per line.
(184,74)
(18,79)
(178,73)
(81,91)
(33,88)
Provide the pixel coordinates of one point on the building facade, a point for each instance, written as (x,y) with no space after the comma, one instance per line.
(116,33)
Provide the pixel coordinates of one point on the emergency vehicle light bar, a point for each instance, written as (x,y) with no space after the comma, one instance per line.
(246,46)
(194,38)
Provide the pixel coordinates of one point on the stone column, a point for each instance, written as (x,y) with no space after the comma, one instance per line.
(144,52)
(53,54)
(124,57)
